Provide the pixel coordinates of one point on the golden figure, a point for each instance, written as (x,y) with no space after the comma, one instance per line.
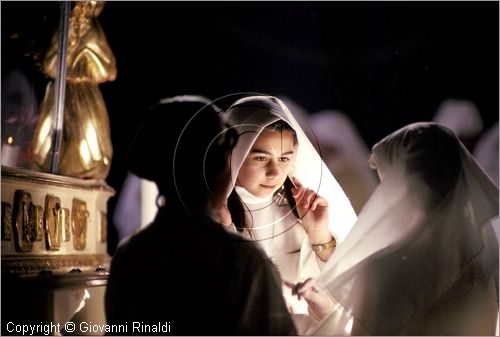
(86,147)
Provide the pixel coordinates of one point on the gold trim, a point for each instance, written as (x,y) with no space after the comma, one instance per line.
(16,174)
(37,263)
(59,280)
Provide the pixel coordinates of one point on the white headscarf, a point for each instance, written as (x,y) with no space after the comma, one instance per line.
(461,116)
(426,229)
(249,116)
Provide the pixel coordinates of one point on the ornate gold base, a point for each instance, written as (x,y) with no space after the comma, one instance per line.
(53,223)
(65,263)
(54,256)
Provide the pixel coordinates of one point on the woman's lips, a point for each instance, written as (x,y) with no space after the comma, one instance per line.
(269,187)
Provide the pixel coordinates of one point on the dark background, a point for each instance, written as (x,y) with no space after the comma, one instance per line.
(385,64)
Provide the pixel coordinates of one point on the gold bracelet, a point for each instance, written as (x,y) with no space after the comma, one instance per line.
(324,246)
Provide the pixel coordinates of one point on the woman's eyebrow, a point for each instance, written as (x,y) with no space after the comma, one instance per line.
(257,150)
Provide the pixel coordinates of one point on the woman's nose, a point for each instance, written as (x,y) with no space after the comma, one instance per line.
(272,169)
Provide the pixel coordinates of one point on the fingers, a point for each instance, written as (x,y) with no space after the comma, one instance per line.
(306,198)
(299,189)
(303,289)
(319,201)
(309,197)
(309,284)
(297,290)
(297,182)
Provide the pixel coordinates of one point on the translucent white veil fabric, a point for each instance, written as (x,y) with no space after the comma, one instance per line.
(249,116)
(423,255)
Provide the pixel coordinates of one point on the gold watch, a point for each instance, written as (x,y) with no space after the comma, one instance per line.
(324,246)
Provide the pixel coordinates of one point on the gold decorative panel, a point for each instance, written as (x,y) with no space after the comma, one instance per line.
(24,229)
(79,216)
(53,226)
(50,219)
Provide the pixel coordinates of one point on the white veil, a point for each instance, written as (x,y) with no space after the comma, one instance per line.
(249,116)
(424,237)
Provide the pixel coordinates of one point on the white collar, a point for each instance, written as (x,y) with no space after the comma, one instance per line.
(249,198)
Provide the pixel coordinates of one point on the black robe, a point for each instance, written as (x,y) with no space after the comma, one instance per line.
(196,279)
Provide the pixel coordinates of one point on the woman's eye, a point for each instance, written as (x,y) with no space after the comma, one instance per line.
(284,159)
(260,158)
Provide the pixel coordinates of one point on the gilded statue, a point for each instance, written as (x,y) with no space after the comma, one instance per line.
(86,145)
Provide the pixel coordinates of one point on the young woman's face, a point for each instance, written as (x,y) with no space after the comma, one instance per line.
(267,164)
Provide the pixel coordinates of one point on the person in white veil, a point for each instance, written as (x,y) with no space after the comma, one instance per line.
(463,118)
(345,154)
(486,152)
(422,258)
(297,227)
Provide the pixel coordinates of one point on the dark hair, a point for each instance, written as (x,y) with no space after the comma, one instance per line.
(238,209)
(282,126)
(178,148)
(434,155)
(236,206)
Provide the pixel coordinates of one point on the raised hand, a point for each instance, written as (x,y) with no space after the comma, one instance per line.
(313,211)
(319,302)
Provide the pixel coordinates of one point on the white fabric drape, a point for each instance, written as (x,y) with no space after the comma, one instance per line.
(423,255)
